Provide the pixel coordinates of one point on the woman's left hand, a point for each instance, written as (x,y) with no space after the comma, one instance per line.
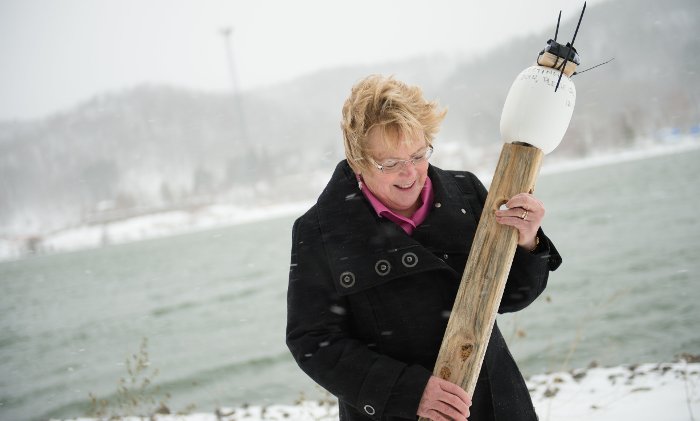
(525,213)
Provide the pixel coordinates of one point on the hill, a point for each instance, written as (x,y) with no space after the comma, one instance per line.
(153,148)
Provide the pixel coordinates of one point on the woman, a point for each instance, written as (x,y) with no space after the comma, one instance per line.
(377,261)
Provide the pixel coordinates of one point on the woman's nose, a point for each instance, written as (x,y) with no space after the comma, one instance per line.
(407,168)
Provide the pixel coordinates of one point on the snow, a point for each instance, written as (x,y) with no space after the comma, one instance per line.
(644,392)
(144,227)
(659,391)
(597,160)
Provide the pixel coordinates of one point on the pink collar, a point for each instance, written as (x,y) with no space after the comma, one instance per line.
(407,224)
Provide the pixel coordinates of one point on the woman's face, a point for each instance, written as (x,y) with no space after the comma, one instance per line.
(398,191)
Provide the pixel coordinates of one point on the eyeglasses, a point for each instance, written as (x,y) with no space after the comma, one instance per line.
(395,165)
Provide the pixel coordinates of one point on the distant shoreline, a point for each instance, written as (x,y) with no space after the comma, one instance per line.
(176,222)
(656,150)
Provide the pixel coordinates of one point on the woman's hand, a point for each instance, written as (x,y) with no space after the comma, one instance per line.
(524,213)
(444,401)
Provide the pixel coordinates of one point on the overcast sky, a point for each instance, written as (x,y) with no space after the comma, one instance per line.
(58,53)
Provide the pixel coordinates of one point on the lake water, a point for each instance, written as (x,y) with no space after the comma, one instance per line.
(212,304)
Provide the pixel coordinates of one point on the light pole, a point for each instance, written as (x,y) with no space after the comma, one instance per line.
(227,33)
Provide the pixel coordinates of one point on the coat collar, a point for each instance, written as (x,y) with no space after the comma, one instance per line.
(365,250)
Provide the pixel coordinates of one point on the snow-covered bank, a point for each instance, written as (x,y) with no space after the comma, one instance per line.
(641,392)
(144,227)
(665,391)
(217,215)
(597,160)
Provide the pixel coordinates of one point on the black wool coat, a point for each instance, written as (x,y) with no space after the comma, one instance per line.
(368,304)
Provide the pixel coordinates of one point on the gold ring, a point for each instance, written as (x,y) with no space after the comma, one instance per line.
(524,215)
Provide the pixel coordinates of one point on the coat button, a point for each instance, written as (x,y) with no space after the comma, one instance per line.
(369,409)
(438,204)
(409,259)
(347,279)
(383,267)
(464,211)
(445,256)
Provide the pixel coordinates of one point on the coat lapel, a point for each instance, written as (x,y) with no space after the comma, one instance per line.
(365,250)
(452,222)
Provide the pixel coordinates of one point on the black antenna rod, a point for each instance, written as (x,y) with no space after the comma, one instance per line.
(556,32)
(566,60)
(571,46)
(591,68)
(579,23)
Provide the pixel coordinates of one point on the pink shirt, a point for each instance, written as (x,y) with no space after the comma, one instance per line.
(407,224)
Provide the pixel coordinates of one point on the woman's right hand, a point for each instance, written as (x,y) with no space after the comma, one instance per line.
(444,401)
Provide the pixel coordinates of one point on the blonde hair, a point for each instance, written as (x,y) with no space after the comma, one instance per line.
(395,108)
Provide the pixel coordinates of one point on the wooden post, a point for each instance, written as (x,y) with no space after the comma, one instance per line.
(484,279)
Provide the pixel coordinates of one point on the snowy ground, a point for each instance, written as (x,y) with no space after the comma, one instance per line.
(643,392)
(665,391)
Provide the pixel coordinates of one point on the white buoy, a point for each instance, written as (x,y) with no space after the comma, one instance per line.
(534,113)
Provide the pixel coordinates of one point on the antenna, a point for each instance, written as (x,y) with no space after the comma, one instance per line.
(591,68)
(578,25)
(569,45)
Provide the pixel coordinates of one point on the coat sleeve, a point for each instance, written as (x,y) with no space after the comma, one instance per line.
(320,338)
(530,270)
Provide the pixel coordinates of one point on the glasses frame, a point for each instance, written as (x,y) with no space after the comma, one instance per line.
(401,163)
